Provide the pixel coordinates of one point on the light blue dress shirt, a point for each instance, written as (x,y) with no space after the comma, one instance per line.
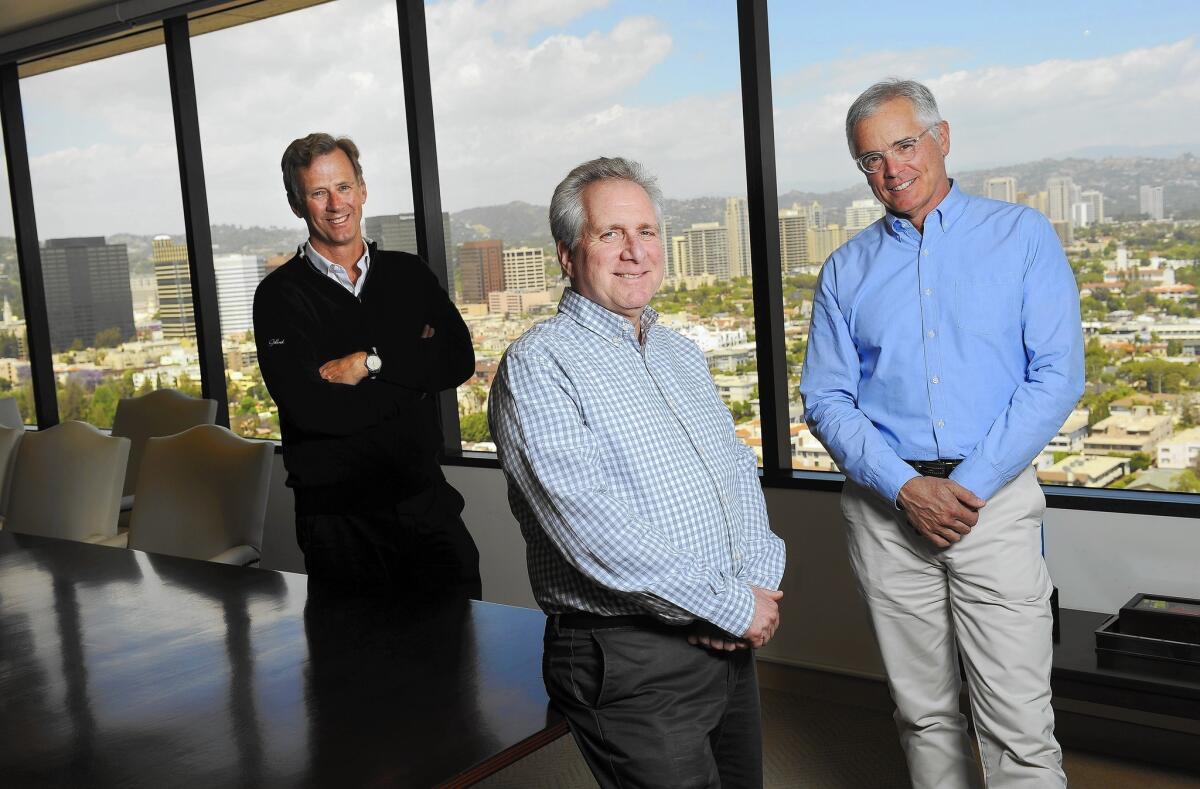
(633,492)
(338,274)
(962,342)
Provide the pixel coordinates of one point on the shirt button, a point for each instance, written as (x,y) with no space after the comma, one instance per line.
(935,379)
(931,333)
(941,423)
(925,252)
(928,291)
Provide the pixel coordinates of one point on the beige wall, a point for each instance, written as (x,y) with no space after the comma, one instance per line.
(1098,561)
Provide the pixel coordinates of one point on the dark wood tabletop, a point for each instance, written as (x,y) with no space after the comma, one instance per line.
(122,668)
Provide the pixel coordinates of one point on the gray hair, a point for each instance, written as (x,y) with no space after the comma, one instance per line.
(302,151)
(566,206)
(874,97)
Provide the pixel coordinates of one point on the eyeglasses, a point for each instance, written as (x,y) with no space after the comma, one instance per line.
(902,152)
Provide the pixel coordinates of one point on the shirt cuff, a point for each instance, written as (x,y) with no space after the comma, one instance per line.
(977,475)
(892,476)
(734,609)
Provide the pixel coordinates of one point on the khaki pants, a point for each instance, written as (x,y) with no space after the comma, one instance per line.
(985,598)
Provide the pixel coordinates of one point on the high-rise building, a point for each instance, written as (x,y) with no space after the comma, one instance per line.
(173,281)
(1062,193)
(1151,201)
(816,214)
(861,213)
(1038,201)
(237,278)
(524,270)
(1002,188)
(1096,200)
(398,233)
(666,231)
(87,290)
(793,239)
(737,236)
(823,240)
(481,268)
(679,257)
(707,250)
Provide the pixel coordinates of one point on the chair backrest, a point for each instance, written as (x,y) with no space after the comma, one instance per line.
(10,439)
(201,492)
(67,483)
(10,415)
(163,412)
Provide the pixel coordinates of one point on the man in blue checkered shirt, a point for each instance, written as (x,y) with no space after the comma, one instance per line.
(646,530)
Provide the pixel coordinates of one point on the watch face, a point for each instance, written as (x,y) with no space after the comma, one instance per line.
(373,363)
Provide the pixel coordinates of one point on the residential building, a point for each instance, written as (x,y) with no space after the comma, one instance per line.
(1150,201)
(524,269)
(1002,188)
(708,250)
(1127,434)
(860,214)
(737,236)
(793,239)
(1084,471)
(237,278)
(1181,450)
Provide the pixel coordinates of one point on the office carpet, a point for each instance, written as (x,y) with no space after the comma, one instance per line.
(818,744)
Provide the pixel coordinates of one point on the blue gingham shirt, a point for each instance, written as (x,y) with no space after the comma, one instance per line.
(963,341)
(632,490)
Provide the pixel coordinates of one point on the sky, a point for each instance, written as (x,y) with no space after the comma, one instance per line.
(525,89)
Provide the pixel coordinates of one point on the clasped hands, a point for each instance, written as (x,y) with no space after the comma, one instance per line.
(762,626)
(940,510)
(352,368)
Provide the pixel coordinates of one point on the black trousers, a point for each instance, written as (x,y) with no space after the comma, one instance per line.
(414,549)
(648,709)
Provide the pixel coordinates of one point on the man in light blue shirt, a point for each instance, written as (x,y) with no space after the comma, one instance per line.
(645,524)
(944,353)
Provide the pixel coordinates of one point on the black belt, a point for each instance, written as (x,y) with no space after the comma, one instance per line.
(581,620)
(934,468)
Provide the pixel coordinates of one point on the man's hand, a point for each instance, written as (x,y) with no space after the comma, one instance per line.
(941,510)
(427,332)
(709,637)
(346,370)
(766,616)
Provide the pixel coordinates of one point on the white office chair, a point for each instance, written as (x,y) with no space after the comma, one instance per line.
(202,494)
(163,412)
(10,415)
(67,483)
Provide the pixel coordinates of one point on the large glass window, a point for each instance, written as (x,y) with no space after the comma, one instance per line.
(106,193)
(524,92)
(1090,119)
(15,379)
(333,68)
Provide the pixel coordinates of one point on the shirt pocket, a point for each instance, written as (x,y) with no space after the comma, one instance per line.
(987,305)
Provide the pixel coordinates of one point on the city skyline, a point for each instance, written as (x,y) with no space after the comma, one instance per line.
(670,97)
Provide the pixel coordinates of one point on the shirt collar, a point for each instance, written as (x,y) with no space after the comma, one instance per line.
(595,318)
(945,214)
(324,265)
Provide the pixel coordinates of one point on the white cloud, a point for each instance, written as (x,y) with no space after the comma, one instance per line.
(518,101)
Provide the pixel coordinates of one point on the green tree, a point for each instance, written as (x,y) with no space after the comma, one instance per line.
(1139,461)
(72,401)
(103,405)
(1186,481)
(108,338)
(474,428)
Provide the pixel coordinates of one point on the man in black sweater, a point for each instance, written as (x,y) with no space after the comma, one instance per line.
(354,343)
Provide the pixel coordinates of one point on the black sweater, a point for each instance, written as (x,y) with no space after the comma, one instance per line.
(348,448)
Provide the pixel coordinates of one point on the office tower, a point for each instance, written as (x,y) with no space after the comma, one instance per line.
(398,233)
(793,239)
(708,250)
(524,270)
(87,290)
(862,213)
(1096,200)
(481,266)
(1061,195)
(823,240)
(173,281)
(666,231)
(737,236)
(237,278)
(1002,188)
(1151,202)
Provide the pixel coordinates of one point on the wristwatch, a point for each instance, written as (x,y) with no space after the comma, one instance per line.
(374,364)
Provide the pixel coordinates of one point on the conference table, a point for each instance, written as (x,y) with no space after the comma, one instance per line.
(123,668)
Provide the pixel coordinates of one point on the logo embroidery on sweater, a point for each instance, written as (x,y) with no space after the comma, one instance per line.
(275,341)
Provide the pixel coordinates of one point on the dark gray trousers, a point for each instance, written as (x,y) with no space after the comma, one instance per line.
(648,709)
